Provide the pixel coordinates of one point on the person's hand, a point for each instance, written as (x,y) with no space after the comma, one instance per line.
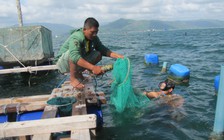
(120,56)
(97,70)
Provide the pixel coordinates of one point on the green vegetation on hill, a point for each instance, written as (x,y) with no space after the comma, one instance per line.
(152,25)
(126,25)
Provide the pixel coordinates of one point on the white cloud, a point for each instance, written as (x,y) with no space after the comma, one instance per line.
(74,12)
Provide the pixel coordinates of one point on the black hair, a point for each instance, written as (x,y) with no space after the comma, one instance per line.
(169,84)
(91,22)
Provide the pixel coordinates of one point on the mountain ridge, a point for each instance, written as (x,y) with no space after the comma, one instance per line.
(145,25)
(126,25)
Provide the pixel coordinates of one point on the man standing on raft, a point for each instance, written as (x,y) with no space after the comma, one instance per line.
(82,50)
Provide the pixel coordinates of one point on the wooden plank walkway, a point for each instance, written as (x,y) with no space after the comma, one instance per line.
(80,130)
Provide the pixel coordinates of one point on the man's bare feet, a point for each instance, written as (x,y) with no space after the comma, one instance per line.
(76,84)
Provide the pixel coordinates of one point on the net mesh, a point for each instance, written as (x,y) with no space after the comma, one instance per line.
(29,44)
(64,105)
(123,94)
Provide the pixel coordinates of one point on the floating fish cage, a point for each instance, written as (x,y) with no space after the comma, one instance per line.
(31,45)
(179,73)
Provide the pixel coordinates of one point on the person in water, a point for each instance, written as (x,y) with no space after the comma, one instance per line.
(165,94)
(166,88)
(82,50)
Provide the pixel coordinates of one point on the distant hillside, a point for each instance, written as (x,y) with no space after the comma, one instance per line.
(144,25)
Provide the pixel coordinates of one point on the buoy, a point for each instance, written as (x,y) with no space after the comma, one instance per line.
(151,59)
(216,83)
(179,73)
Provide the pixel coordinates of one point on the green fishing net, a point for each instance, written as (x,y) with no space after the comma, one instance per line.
(64,105)
(123,94)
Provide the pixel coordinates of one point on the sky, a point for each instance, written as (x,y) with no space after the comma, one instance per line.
(74,12)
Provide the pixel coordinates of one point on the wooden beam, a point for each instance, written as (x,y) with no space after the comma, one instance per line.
(28,69)
(79,109)
(24,99)
(49,112)
(47,125)
(23,107)
(83,134)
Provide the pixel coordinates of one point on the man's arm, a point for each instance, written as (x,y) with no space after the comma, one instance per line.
(114,55)
(75,56)
(151,94)
(85,64)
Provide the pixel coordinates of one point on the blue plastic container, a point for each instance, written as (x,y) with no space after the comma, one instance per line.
(216,83)
(28,116)
(1,67)
(179,71)
(151,59)
(3,118)
(98,112)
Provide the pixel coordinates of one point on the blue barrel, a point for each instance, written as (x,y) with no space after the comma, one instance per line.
(179,70)
(28,116)
(216,83)
(98,112)
(1,67)
(3,118)
(179,73)
(151,59)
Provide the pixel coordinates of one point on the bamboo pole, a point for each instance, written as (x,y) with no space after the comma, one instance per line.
(28,69)
(20,17)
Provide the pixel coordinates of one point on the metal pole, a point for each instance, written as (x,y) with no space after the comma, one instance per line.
(20,18)
(219,113)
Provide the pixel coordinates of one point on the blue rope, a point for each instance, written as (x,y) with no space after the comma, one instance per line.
(62,81)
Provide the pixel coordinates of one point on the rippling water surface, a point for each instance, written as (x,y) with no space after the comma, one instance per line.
(200,50)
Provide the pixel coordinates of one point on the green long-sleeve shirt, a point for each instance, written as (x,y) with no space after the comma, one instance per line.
(79,46)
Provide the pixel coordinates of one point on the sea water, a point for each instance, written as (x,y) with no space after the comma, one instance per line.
(199,50)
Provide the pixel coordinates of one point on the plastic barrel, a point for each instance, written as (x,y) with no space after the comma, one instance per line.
(179,73)
(3,118)
(98,112)
(216,83)
(151,59)
(27,116)
(1,67)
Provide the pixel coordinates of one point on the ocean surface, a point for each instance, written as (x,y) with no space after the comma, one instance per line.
(199,50)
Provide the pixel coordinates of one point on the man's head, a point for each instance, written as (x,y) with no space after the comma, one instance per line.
(167,86)
(90,28)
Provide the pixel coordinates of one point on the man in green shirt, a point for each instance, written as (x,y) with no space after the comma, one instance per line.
(82,50)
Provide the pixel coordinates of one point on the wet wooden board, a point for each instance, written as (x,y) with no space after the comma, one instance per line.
(44,126)
(22,107)
(24,99)
(49,112)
